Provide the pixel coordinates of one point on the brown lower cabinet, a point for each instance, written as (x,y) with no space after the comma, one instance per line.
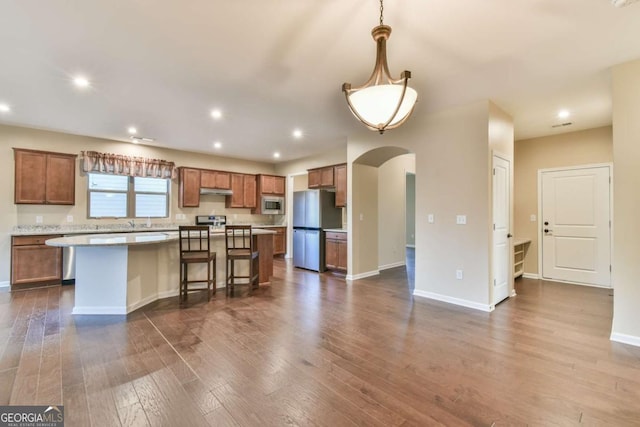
(33,263)
(335,248)
(279,239)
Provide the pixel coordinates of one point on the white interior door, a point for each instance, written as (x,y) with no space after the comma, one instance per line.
(501,228)
(576,227)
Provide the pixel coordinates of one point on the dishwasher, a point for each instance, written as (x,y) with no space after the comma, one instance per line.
(68,265)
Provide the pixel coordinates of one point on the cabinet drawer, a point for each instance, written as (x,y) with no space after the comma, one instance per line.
(336,236)
(32,240)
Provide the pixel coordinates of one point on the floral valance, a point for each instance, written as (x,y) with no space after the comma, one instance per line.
(116,164)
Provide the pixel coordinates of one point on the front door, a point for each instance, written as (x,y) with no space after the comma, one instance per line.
(576,227)
(501,228)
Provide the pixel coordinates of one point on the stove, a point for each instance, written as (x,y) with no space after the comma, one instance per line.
(215,222)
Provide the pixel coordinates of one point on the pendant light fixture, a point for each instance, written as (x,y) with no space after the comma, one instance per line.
(382,103)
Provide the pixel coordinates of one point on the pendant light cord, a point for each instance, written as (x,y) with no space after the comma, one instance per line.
(381,10)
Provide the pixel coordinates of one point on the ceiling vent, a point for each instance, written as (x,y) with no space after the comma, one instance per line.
(622,3)
(559,125)
(141,139)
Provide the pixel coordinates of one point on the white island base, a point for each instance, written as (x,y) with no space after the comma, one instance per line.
(117,274)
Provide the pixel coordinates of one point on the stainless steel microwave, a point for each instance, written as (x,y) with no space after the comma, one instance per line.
(272,205)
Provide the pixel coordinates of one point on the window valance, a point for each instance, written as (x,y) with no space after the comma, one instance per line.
(117,164)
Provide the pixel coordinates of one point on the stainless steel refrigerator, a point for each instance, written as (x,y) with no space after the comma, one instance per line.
(313,211)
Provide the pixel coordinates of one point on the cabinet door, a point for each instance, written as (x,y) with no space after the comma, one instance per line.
(30,177)
(331,253)
(279,185)
(341,258)
(189,188)
(61,179)
(279,241)
(249,187)
(341,185)
(326,177)
(223,180)
(267,184)
(314,178)
(33,264)
(208,179)
(236,200)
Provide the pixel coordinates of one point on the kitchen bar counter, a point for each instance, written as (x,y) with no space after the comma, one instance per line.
(119,273)
(36,230)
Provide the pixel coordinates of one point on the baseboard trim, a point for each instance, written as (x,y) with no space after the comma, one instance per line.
(513,293)
(452,300)
(392,265)
(5,284)
(99,310)
(625,339)
(530,276)
(411,246)
(362,275)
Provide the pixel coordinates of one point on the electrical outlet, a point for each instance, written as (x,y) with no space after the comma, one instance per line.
(69,218)
(361,217)
(461,219)
(459,274)
(430,218)
(533,218)
(38,219)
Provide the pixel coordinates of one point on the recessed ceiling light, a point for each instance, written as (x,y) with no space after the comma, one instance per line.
(217,145)
(297,133)
(563,114)
(276,155)
(216,114)
(132,130)
(4,108)
(81,81)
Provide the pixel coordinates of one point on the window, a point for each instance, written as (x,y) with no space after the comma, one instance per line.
(123,196)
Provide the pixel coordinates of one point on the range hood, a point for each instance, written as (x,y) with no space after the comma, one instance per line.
(215,191)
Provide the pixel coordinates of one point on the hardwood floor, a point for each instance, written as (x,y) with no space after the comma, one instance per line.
(313,350)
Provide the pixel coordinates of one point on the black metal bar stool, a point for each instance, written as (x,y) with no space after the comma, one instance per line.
(195,249)
(239,246)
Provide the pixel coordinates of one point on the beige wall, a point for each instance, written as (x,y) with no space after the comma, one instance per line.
(568,149)
(363,233)
(12,214)
(410,210)
(452,175)
(626,194)
(392,204)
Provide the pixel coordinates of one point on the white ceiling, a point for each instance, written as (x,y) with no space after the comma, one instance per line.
(272,66)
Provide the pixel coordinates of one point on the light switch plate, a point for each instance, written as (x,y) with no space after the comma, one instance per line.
(533,218)
(430,218)
(461,219)
(459,274)
(69,218)
(38,219)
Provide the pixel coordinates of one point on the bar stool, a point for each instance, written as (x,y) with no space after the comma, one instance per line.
(195,249)
(239,246)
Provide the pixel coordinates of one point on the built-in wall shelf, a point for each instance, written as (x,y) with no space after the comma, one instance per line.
(520,249)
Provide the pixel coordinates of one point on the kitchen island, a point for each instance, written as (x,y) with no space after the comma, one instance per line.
(119,273)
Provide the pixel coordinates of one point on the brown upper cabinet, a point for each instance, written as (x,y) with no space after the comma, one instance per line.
(215,179)
(340,178)
(189,188)
(331,177)
(43,177)
(271,184)
(244,191)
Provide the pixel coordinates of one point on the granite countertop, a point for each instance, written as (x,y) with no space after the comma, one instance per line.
(127,239)
(38,230)
(336,230)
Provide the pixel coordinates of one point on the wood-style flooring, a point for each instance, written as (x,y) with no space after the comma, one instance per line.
(313,350)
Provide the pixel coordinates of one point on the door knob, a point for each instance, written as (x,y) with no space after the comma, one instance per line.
(546,230)
(546,223)
(509,236)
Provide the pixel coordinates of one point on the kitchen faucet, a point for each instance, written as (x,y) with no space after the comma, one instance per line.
(132,223)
